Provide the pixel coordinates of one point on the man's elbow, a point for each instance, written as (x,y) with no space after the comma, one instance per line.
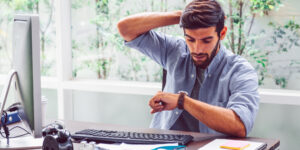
(124,30)
(241,132)
(122,27)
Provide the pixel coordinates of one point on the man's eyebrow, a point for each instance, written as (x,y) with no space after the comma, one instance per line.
(206,38)
(189,36)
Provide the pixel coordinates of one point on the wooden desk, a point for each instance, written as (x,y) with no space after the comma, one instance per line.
(199,140)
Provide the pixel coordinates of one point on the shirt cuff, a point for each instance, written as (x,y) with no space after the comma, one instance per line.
(243,114)
(135,42)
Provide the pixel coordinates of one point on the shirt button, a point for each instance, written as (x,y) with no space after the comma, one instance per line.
(192,76)
(176,112)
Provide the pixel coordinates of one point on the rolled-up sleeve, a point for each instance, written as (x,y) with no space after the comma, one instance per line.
(244,98)
(156,46)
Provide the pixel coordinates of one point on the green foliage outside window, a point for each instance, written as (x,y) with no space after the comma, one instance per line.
(241,17)
(258,48)
(106,46)
(11,7)
(104,52)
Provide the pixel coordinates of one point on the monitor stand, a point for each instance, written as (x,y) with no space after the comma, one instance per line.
(26,142)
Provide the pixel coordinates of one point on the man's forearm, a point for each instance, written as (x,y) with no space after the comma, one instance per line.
(135,25)
(218,118)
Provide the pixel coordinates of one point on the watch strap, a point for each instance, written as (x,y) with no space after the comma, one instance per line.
(181,100)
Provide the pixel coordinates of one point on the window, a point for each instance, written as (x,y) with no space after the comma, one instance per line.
(266,40)
(99,51)
(266,33)
(45,9)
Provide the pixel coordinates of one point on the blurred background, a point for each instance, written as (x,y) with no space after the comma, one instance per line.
(109,83)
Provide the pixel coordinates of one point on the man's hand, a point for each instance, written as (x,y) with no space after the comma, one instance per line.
(163,101)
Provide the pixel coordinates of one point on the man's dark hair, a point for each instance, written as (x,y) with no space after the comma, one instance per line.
(203,14)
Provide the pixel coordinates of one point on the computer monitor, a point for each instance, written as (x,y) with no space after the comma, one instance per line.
(26,61)
(26,69)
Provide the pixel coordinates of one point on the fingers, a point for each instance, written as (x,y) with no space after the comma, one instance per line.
(152,111)
(163,101)
(155,99)
(158,109)
(156,103)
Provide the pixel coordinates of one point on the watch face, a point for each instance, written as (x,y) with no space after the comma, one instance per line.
(185,92)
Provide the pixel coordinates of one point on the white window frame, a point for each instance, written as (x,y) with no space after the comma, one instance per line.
(64,84)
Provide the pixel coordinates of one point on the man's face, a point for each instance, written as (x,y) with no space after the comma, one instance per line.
(201,43)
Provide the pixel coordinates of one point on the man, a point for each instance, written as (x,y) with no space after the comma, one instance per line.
(220,87)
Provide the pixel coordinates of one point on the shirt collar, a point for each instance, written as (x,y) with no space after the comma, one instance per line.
(216,61)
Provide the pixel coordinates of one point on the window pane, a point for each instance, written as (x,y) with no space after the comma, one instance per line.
(99,51)
(267,35)
(45,9)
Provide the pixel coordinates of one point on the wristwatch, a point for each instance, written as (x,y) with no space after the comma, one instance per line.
(181,99)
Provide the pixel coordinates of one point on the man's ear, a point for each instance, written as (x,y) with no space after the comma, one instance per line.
(223,33)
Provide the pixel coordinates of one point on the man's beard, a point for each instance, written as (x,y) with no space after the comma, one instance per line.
(204,64)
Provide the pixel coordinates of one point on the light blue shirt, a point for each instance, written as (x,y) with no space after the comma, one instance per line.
(229,81)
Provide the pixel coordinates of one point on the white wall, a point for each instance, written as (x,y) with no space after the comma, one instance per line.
(279,122)
(123,109)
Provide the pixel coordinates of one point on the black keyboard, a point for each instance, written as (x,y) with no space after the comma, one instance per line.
(130,137)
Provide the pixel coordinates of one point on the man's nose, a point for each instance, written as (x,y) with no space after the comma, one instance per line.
(198,48)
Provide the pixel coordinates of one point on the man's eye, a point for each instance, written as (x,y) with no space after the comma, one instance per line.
(191,40)
(206,42)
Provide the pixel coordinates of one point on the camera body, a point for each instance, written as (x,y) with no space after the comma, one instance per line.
(56,138)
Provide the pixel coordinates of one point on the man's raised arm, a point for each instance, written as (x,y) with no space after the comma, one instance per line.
(132,26)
